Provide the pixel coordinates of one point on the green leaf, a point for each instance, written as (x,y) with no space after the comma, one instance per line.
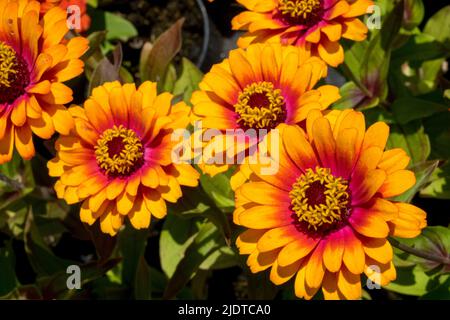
(435,242)
(118,28)
(219,189)
(442,292)
(156,58)
(351,96)
(143,281)
(8,280)
(376,60)
(440,184)
(176,236)
(197,203)
(439,26)
(222,258)
(16,214)
(413,14)
(107,71)
(410,137)
(41,258)
(168,81)
(92,3)
(94,54)
(353,52)
(188,81)
(408,109)
(420,47)
(132,245)
(54,286)
(438,130)
(414,282)
(204,243)
(16,180)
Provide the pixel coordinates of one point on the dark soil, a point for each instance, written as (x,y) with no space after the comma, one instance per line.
(152,17)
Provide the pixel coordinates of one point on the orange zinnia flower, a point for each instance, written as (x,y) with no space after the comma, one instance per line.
(34,61)
(315,25)
(259,88)
(325,216)
(117,160)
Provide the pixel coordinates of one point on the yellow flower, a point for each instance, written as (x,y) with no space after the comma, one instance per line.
(315,25)
(258,88)
(324,217)
(118,158)
(34,61)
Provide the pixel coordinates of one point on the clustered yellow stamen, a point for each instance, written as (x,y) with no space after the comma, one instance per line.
(260,106)
(298,8)
(8,64)
(118,151)
(319,198)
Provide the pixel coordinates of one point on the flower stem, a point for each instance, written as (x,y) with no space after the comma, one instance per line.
(419,253)
(11,183)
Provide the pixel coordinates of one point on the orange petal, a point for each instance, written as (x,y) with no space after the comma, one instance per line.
(155,203)
(139,215)
(247,240)
(346,151)
(259,261)
(297,249)
(334,251)
(376,136)
(354,257)
(364,190)
(329,287)
(24,142)
(331,52)
(264,217)
(349,284)
(378,249)
(324,142)
(368,224)
(397,183)
(315,268)
(277,237)
(19,113)
(410,221)
(280,275)
(394,160)
(298,148)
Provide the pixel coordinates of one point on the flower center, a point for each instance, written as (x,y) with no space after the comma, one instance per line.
(119,152)
(260,106)
(304,12)
(319,199)
(14,74)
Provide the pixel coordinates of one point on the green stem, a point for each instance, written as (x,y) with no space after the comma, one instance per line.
(347,72)
(419,253)
(17,186)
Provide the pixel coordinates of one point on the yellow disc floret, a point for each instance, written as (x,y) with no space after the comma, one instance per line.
(319,199)
(8,64)
(119,151)
(299,8)
(260,106)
